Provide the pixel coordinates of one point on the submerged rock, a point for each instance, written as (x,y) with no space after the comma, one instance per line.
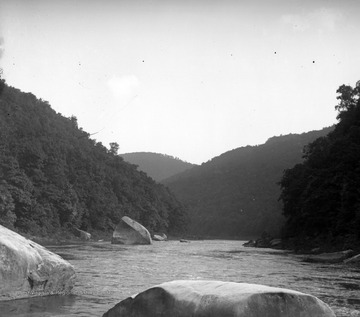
(28,269)
(353,260)
(214,298)
(266,241)
(334,257)
(250,243)
(129,231)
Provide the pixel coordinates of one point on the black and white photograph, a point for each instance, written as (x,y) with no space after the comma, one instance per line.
(179,158)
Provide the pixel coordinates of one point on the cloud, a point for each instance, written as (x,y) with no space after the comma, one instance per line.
(124,88)
(321,20)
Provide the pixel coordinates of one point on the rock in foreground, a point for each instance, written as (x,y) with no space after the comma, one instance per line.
(129,231)
(28,269)
(215,299)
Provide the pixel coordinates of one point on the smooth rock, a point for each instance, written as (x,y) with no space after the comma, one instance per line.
(28,269)
(219,299)
(334,257)
(129,231)
(158,237)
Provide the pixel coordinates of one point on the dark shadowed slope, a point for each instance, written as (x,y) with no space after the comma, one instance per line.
(236,194)
(53,176)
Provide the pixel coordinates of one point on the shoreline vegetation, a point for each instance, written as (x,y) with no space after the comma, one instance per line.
(54,177)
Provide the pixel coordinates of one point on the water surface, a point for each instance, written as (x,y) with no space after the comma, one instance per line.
(108,273)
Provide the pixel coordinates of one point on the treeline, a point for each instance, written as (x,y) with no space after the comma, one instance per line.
(236,194)
(321,196)
(53,176)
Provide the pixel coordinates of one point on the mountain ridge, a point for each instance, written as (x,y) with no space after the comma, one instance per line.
(158,166)
(236,193)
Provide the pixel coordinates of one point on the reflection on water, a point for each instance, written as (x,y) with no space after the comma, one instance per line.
(109,273)
(38,306)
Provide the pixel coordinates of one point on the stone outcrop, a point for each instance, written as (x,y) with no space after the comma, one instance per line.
(158,237)
(129,231)
(83,235)
(334,257)
(213,298)
(28,269)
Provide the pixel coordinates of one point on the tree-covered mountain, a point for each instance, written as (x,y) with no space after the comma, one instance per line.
(236,194)
(157,166)
(322,194)
(54,177)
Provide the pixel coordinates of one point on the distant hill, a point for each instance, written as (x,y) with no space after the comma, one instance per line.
(157,166)
(236,194)
(54,177)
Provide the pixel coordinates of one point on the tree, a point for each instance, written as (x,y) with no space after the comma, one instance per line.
(54,177)
(114,148)
(7,207)
(321,196)
(2,82)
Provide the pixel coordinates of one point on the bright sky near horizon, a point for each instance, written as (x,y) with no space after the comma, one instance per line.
(191,79)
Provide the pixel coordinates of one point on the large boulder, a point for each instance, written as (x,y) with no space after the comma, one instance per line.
(28,269)
(129,231)
(215,299)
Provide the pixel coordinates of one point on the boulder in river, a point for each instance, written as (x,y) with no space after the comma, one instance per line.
(128,231)
(28,269)
(214,298)
(158,237)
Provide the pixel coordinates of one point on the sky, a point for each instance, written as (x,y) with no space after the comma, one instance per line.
(191,79)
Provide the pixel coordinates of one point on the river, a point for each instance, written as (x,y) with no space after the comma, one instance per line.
(108,273)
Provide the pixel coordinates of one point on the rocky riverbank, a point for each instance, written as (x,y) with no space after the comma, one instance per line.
(314,255)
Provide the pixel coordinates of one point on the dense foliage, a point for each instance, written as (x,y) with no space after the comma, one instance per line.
(236,194)
(321,196)
(54,177)
(157,166)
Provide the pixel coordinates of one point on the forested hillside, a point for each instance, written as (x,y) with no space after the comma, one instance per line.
(236,194)
(157,166)
(54,177)
(322,195)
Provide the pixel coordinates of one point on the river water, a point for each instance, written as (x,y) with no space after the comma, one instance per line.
(108,273)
